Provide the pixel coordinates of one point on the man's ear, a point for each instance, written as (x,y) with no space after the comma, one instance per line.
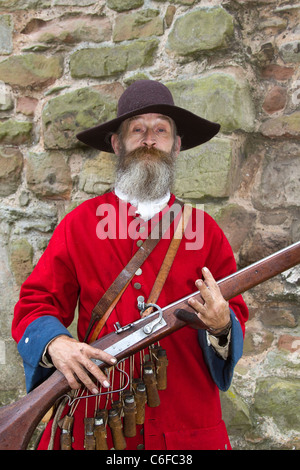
(115,143)
(177,146)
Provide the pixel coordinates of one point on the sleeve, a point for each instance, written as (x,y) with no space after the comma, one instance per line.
(222,370)
(221,263)
(31,347)
(46,305)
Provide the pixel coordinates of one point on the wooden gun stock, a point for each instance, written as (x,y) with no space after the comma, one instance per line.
(19,420)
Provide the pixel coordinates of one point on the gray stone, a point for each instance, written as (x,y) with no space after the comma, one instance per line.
(256,342)
(80,3)
(31,70)
(48,175)
(138,25)
(219,97)
(15,132)
(66,115)
(282,126)
(235,412)
(6,99)
(279,398)
(13,5)
(124,5)
(11,164)
(236,222)
(290,51)
(280,170)
(21,257)
(6,30)
(205,171)
(72,30)
(37,217)
(109,61)
(205,29)
(98,173)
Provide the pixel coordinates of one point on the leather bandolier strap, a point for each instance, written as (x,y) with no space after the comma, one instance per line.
(113,294)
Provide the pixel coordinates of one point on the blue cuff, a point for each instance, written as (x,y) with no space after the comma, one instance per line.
(222,370)
(32,345)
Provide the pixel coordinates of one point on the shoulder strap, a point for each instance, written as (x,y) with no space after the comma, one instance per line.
(169,258)
(110,298)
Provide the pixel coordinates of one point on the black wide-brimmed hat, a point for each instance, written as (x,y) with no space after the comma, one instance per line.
(149,96)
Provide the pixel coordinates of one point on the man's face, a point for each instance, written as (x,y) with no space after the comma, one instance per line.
(147,149)
(150,131)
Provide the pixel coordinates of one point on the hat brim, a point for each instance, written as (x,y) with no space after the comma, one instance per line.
(192,129)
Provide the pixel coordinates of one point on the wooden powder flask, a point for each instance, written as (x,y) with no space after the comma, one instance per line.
(117,405)
(161,362)
(89,438)
(115,424)
(129,419)
(149,378)
(100,429)
(66,432)
(140,399)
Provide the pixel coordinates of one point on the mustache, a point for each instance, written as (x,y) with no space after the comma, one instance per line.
(144,153)
(145,173)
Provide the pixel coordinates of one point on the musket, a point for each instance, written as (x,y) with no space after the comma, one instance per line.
(19,420)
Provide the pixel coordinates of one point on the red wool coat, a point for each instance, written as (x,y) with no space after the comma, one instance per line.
(88,250)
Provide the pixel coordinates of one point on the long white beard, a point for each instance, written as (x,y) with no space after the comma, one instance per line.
(145,180)
(144,177)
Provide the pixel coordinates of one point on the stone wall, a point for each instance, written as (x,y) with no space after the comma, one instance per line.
(64,63)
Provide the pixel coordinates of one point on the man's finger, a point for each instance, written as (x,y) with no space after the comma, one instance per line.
(100,354)
(209,280)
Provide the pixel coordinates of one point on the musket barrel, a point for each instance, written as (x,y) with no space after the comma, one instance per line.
(19,420)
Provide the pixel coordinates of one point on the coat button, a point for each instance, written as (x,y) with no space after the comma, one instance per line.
(137,285)
(139,243)
(138,272)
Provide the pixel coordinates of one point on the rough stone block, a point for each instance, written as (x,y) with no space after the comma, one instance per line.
(13,5)
(31,70)
(21,256)
(205,171)
(11,164)
(97,174)
(64,116)
(278,397)
(235,412)
(278,187)
(71,30)
(275,100)
(236,222)
(6,98)
(124,5)
(219,97)
(48,175)
(6,30)
(205,29)
(282,126)
(15,132)
(138,25)
(290,51)
(108,61)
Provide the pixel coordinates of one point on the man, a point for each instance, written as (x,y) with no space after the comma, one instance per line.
(93,244)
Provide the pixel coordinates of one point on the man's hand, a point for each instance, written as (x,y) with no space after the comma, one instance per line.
(73,360)
(215,311)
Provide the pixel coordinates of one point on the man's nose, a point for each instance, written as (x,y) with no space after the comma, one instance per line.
(149,139)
